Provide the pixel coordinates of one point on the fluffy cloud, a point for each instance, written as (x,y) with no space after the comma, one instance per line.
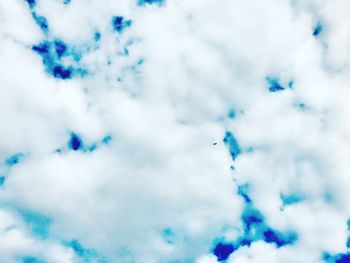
(163,131)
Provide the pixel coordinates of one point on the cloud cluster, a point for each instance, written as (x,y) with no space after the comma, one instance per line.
(174,131)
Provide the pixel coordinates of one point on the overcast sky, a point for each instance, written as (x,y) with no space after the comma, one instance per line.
(174,131)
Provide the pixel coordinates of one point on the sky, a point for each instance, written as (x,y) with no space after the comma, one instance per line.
(174,131)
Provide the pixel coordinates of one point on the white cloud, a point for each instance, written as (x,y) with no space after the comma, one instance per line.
(162,189)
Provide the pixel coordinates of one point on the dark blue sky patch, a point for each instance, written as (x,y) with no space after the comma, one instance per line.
(60,47)
(291,84)
(279,239)
(80,251)
(255,229)
(42,48)
(107,139)
(75,142)
(168,235)
(231,114)
(326,257)
(317,29)
(119,23)
(251,218)
(348,228)
(42,22)
(245,242)
(59,150)
(97,36)
(14,159)
(222,251)
(61,72)
(273,84)
(291,199)
(52,53)
(343,258)
(2,180)
(232,144)
(337,258)
(301,106)
(67,2)
(141,61)
(92,147)
(243,191)
(38,224)
(31,3)
(144,2)
(50,60)
(77,247)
